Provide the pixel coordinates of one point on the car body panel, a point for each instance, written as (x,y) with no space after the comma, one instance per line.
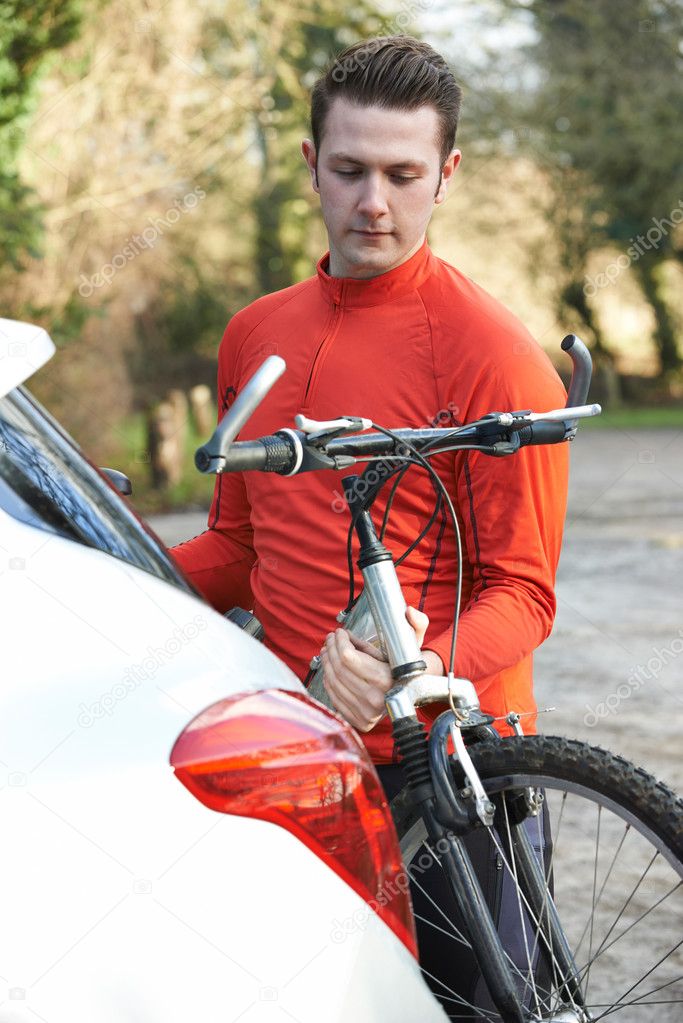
(123,896)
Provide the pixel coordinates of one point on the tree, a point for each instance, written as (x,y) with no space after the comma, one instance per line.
(150,107)
(30,31)
(286,49)
(605,116)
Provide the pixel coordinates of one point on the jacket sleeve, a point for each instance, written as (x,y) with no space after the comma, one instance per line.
(219,561)
(511,512)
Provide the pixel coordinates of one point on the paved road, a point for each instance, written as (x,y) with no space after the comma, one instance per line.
(613,666)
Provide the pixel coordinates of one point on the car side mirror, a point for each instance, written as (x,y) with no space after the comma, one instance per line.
(119,480)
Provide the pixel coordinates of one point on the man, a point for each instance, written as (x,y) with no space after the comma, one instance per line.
(388,331)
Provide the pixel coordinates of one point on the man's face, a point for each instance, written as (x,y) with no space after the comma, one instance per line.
(379,176)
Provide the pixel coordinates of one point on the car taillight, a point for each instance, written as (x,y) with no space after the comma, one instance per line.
(282,758)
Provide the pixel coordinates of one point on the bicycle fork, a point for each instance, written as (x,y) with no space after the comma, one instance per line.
(411,741)
(444,814)
(448,816)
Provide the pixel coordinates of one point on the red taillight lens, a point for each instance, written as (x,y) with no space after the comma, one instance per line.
(282,758)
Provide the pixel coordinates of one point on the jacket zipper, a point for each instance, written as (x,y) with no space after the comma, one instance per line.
(324,345)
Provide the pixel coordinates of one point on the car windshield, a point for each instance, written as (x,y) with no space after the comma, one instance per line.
(47,481)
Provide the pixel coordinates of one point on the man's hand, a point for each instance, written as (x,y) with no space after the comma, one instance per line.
(357,677)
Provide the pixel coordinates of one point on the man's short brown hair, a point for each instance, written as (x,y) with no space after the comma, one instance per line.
(397,72)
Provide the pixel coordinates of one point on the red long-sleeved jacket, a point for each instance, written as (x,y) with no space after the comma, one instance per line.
(419,344)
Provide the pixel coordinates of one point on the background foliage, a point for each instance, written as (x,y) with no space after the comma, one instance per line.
(151,181)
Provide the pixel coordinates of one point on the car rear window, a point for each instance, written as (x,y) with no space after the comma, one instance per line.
(46,480)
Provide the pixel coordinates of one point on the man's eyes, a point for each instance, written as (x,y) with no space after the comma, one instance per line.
(396,177)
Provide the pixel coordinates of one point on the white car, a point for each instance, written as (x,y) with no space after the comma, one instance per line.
(185,835)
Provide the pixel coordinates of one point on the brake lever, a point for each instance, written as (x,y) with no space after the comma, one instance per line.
(322,431)
(518,420)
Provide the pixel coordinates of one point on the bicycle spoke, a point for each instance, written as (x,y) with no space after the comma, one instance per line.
(457,937)
(522,922)
(638,1002)
(629,900)
(521,895)
(619,1000)
(555,832)
(532,915)
(455,997)
(457,934)
(592,915)
(555,839)
(535,950)
(660,987)
(604,884)
(602,950)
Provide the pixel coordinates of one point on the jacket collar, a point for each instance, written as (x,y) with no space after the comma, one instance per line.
(350,292)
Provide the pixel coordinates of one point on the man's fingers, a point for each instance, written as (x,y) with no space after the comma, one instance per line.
(345,682)
(419,621)
(365,647)
(336,690)
(356,673)
(356,682)
(345,703)
(356,665)
(338,702)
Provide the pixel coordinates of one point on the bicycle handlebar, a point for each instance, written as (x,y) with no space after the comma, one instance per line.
(289,452)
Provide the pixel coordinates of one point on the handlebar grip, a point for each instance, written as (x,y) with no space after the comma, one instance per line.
(275,453)
(240,457)
(582,369)
(280,453)
(542,433)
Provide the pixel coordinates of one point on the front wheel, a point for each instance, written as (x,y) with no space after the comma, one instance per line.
(611,838)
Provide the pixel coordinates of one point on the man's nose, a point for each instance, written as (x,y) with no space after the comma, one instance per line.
(372,201)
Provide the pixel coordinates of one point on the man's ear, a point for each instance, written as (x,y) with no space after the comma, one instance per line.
(311,158)
(447,172)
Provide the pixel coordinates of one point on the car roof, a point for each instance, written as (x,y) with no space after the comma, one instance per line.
(24,348)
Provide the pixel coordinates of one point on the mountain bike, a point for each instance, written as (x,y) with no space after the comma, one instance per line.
(588,846)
